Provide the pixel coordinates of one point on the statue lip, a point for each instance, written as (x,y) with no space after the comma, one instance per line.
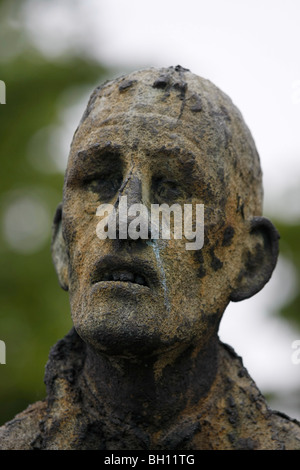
(112,268)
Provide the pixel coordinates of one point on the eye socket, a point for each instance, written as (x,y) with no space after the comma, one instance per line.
(106,186)
(167,190)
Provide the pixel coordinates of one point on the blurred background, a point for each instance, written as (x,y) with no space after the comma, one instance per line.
(52,55)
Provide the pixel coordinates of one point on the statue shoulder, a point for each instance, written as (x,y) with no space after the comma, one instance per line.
(23,431)
(286,430)
(247,410)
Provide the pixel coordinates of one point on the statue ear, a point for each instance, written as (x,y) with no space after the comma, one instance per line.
(260,257)
(59,250)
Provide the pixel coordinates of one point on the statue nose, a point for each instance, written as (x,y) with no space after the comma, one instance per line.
(133,191)
(131,196)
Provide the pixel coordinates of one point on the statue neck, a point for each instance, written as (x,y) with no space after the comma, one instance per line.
(194,398)
(150,392)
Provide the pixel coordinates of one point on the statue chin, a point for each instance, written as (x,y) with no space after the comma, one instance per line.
(109,339)
(119,332)
(122,323)
(138,327)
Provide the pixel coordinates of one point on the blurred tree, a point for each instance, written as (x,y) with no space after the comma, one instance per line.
(290,311)
(34,310)
(290,248)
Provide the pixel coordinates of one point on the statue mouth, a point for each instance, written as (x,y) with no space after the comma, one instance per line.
(124,276)
(112,269)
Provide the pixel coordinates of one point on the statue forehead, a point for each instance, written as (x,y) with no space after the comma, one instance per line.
(173,92)
(168,106)
(155,104)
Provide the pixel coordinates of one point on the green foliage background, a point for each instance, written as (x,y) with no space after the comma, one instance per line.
(290,249)
(34,311)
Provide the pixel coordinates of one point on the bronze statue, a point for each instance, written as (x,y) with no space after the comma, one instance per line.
(143,367)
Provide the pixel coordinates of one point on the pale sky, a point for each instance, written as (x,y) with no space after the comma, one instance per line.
(249,48)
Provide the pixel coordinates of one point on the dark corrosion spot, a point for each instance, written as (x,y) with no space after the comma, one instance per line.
(196,103)
(201,272)
(232,412)
(162,82)
(181,87)
(179,68)
(126,84)
(215,262)
(199,259)
(228,236)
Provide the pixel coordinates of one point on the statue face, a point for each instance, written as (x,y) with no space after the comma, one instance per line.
(132,296)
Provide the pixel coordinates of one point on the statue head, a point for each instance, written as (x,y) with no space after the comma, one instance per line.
(161,136)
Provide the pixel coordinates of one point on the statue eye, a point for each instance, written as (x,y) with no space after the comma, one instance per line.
(167,190)
(105,186)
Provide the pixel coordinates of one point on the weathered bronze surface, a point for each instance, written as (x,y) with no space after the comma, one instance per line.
(143,367)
